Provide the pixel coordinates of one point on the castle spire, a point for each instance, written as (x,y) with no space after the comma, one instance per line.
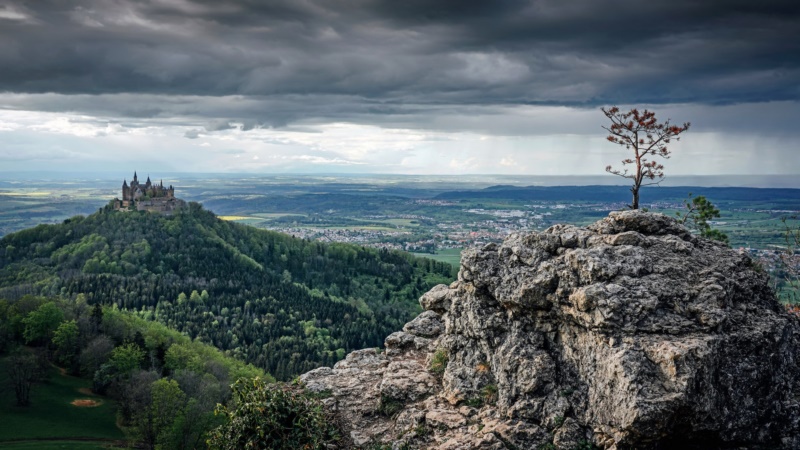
(125,183)
(135,178)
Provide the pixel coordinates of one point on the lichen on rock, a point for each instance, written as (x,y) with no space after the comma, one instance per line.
(630,333)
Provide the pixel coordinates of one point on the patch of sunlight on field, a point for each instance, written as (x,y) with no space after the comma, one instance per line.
(235,218)
(278,215)
(26,194)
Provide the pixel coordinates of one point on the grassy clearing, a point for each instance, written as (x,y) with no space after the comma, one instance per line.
(405,223)
(52,416)
(451,256)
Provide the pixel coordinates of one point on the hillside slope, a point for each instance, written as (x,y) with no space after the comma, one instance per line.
(284,304)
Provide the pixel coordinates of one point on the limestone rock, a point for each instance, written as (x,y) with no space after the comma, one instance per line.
(630,333)
(436,299)
(444,419)
(570,435)
(407,381)
(427,324)
(400,342)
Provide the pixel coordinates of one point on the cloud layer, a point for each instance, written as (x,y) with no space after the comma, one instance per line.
(442,69)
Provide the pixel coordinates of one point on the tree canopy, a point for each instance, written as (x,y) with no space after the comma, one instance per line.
(287,305)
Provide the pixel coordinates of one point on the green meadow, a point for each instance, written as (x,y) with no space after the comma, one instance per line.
(450,256)
(52,421)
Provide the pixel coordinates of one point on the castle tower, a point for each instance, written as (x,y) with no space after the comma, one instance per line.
(161,199)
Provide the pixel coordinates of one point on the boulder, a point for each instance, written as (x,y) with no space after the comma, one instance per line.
(630,333)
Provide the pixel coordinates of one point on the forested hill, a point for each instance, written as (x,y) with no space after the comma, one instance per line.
(284,304)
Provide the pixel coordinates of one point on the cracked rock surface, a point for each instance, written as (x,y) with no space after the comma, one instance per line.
(630,333)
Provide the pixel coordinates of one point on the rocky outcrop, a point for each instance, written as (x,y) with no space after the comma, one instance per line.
(628,334)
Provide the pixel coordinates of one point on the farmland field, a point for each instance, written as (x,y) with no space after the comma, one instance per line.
(451,256)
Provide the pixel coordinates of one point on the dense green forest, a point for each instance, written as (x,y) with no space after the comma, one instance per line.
(284,304)
(165,385)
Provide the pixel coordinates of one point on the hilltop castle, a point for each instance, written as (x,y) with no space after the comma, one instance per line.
(147,197)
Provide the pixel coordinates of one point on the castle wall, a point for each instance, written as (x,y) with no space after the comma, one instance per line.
(159,199)
(160,205)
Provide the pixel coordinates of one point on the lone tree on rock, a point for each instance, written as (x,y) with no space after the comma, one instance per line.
(641,132)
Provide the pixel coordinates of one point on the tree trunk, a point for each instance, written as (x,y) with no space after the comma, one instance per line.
(635,191)
(22,373)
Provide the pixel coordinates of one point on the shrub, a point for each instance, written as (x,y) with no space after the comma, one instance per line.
(272,416)
(475,402)
(389,406)
(439,362)
(586,445)
(489,394)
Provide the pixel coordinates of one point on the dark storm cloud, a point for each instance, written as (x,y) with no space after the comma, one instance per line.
(276,62)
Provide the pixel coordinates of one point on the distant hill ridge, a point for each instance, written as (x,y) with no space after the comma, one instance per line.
(620,193)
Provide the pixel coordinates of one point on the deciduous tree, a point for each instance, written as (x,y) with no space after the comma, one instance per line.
(24,370)
(154,422)
(126,358)
(65,339)
(203,392)
(640,132)
(95,354)
(40,324)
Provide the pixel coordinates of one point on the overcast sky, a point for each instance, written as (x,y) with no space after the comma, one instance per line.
(394,86)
